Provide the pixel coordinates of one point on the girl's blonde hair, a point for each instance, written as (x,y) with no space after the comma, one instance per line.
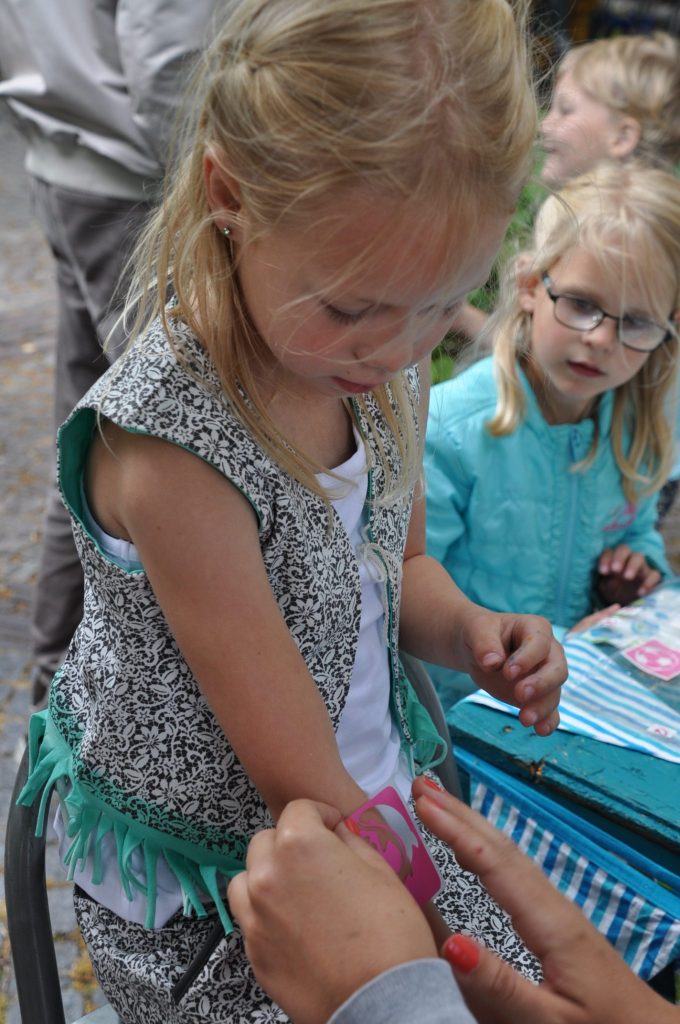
(425,102)
(636,76)
(629,213)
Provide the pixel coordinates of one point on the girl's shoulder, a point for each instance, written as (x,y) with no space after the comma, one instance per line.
(160,368)
(469,395)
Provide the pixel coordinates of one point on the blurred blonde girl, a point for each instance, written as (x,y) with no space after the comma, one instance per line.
(543,462)
(614,99)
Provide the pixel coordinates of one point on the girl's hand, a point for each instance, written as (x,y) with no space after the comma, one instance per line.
(592,620)
(624,575)
(516,659)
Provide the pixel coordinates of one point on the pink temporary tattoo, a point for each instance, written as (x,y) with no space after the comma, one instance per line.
(385,822)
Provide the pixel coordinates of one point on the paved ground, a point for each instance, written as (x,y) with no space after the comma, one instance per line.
(26,365)
(27,317)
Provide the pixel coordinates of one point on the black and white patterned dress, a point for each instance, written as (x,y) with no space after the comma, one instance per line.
(130,734)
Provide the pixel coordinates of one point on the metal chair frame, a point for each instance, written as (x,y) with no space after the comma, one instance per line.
(28,912)
(28,919)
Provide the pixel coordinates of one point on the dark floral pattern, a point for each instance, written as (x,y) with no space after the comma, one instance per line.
(144,740)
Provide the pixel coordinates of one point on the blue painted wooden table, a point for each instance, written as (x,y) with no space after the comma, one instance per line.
(632,795)
(629,794)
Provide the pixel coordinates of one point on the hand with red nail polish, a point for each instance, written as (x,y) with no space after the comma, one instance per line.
(585,980)
(332,934)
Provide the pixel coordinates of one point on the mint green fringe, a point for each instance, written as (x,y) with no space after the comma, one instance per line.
(428,748)
(87,822)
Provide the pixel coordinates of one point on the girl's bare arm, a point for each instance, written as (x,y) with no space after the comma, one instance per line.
(198,542)
(514,657)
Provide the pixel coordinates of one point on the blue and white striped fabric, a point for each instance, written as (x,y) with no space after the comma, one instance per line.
(639,916)
(601,700)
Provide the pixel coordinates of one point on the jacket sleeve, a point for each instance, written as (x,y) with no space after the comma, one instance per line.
(448,485)
(642,535)
(158,43)
(423,990)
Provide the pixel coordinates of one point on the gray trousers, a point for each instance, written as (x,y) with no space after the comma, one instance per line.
(91,237)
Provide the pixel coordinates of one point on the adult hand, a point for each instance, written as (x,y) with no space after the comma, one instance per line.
(322,913)
(585,981)
(624,575)
(516,659)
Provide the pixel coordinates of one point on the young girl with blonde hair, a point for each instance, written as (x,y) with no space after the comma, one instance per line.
(242,482)
(543,462)
(614,99)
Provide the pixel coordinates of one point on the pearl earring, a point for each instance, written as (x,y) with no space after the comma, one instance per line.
(226,231)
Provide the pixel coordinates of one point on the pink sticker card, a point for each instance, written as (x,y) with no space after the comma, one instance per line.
(655,658)
(385,822)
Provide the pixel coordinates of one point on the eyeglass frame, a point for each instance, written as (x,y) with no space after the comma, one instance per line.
(554,296)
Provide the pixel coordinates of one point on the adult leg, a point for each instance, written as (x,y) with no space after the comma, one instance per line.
(90,237)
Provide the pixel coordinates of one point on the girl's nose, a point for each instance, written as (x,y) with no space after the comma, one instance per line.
(605,335)
(546,124)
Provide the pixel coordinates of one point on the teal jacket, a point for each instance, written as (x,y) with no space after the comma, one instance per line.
(507,517)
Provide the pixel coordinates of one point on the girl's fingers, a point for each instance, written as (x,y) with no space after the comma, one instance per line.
(541,711)
(650,579)
(536,650)
(605,561)
(634,566)
(546,726)
(619,558)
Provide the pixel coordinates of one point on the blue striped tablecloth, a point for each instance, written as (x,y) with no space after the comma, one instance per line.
(633,902)
(603,700)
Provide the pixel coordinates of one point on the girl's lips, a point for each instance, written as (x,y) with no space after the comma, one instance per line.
(585,369)
(352,387)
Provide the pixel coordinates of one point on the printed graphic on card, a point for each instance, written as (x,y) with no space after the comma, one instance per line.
(656,615)
(385,822)
(655,658)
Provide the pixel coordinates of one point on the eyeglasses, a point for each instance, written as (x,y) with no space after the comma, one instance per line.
(583,315)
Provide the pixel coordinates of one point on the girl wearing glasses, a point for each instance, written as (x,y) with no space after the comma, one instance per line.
(543,462)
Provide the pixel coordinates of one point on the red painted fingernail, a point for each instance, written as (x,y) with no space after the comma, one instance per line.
(352,826)
(431,783)
(461,952)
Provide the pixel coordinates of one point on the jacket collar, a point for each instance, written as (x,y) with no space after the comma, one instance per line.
(534,417)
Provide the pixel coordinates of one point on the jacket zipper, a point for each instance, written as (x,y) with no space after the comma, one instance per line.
(575,448)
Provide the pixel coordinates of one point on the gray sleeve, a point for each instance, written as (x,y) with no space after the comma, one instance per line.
(158,43)
(420,992)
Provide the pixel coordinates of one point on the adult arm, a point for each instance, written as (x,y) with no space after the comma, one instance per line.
(158,43)
(585,980)
(422,990)
(323,916)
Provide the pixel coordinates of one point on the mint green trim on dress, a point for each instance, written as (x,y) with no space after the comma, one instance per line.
(88,819)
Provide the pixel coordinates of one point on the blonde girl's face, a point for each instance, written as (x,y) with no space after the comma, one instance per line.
(576,132)
(570,368)
(334,331)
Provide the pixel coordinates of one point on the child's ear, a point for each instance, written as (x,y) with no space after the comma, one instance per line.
(528,283)
(222,190)
(627,138)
